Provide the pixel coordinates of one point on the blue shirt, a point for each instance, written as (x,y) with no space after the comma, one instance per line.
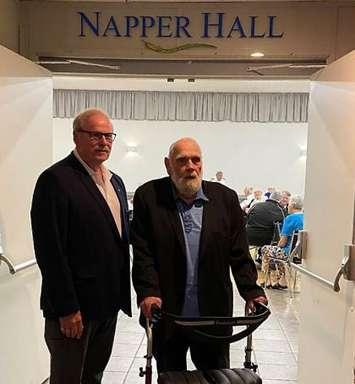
(292,223)
(191,220)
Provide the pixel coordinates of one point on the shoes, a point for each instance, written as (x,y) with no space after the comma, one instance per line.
(263,285)
(297,260)
(275,286)
(278,286)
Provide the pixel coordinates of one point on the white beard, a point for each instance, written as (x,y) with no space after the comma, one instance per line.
(188,187)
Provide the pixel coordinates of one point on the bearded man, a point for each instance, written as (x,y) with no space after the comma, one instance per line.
(187,234)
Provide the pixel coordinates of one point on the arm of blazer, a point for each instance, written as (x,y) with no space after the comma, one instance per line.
(144,274)
(242,265)
(49,217)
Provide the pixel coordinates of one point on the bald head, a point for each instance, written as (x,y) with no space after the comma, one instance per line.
(184,166)
(182,144)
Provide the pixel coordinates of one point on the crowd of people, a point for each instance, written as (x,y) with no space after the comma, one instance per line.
(273,219)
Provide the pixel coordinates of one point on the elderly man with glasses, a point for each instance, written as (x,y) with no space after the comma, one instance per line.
(80,231)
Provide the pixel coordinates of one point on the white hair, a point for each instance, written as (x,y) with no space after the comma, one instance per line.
(296,202)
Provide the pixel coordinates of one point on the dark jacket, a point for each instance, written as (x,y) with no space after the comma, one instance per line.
(261,222)
(83,260)
(159,267)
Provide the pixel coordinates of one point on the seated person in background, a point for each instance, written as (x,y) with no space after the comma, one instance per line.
(285,200)
(258,197)
(247,198)
(269,191)
(247,194)
(219,178)
(261,220)
(293,222)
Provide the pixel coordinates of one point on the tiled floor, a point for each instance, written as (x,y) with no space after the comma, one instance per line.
(275,345)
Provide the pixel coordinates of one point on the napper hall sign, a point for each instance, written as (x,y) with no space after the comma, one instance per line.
(210,25)
(134,30)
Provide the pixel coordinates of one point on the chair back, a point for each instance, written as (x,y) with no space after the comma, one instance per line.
(277,233)
(294,239)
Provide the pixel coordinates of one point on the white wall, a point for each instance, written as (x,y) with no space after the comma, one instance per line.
(249,154)
(327,319)
(25,149)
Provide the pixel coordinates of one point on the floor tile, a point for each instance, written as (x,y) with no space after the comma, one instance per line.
(142,350)
(130,326)
(113,377)
(294,346)
(129,337)
(269,334)
(236,355)
(119,364)
(278,372)
(272,346)
(127,350)
(277,358)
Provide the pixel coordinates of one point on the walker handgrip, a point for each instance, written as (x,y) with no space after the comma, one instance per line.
(261,313)
(252,322)
(156,313)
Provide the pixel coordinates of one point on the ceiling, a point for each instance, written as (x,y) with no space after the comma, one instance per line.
(180,85)
(251,69)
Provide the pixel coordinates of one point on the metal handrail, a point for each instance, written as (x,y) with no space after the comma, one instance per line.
(299,251)
(314,276)
(18,267)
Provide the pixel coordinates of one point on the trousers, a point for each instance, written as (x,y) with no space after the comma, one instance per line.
(80,361)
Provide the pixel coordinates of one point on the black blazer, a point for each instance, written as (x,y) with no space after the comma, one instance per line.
(83,260)
(159,267)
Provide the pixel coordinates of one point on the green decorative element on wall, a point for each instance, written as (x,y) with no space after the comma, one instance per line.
(157,48)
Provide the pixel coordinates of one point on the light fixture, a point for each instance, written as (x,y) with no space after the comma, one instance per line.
(257,54)
(78,62)
(191,80)
(132,148)
(170,79)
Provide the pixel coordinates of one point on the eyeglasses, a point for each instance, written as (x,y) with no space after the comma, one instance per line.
(97,136)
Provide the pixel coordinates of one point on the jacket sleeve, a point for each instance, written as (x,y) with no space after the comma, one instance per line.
(144,273)
(242,265)
(49,218)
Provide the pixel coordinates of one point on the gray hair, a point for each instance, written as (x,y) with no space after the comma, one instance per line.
(277,196)
(296,202)
(80,120)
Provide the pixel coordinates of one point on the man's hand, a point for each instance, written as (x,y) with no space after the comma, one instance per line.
(250,304)
(72,325)
(146,305)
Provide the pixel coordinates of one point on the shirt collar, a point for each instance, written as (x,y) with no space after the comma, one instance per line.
(89,170)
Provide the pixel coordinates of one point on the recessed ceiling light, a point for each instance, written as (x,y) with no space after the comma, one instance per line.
(257,54)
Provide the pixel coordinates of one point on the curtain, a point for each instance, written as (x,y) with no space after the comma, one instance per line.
(185,106)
